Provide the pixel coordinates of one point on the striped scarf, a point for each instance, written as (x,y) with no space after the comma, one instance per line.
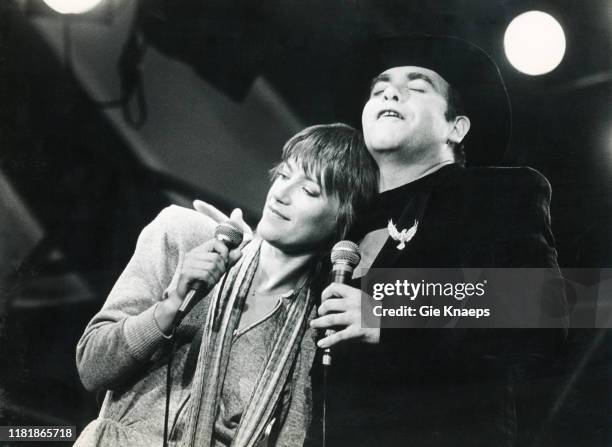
(221,322)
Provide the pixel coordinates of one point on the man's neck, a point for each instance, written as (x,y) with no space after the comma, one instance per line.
(396,172)
(278,271)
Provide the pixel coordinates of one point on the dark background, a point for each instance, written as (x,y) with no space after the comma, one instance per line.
(122,111)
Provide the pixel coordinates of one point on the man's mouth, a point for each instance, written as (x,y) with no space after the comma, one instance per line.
(277,213)
(389,113)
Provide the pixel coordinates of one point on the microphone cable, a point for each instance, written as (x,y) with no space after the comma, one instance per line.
(173,348)
(324,408)
(345,256)
(169,383)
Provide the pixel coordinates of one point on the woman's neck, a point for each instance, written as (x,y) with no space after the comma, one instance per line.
(279,272)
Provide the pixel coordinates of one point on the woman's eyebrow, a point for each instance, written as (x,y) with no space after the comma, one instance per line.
(306,176)
(311,177)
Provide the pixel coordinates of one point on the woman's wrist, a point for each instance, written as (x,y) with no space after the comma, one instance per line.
(166,311)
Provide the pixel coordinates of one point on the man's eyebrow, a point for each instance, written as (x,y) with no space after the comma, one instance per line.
(410,76)
(415,75)
(380,78)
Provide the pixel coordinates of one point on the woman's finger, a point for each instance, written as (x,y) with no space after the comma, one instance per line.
(208,210)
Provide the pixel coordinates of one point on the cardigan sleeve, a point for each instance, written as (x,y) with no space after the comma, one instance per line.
(123,335)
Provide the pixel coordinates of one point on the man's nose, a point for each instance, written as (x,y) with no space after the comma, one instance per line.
(391,93)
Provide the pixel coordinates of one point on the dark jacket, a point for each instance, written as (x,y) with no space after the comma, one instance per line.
(452,387)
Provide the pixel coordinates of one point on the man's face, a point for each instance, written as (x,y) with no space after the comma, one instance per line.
(405,111)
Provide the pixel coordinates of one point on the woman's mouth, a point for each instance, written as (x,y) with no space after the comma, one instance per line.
(277,213)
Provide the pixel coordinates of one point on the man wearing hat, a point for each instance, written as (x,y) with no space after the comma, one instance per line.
(429,97)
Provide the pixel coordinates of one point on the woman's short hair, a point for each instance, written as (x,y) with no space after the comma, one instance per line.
(336,155)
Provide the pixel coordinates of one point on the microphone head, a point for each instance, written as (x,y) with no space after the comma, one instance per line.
(230,233)
(346,252)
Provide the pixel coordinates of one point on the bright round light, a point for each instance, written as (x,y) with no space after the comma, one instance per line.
(72,6)
(534,43)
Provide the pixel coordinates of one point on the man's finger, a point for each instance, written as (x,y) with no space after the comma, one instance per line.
(334,338)
(210,211)
(337,290)
(332,305)
(330,321)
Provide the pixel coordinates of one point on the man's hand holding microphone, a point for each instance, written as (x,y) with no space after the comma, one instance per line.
(340,309)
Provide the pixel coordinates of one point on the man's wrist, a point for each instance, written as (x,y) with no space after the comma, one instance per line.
(373,335)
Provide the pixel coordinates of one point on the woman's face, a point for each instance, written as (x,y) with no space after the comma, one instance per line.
(298,216)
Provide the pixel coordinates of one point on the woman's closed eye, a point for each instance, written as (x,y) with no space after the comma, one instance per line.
(312,192)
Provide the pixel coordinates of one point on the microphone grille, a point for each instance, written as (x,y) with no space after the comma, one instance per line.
(346,251)
(230,232)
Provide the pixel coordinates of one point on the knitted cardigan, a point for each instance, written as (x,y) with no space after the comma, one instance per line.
(123,350)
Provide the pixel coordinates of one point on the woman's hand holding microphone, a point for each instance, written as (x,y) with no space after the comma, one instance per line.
(202,268)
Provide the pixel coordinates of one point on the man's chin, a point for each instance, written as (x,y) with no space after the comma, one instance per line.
(384,142)
(383,149)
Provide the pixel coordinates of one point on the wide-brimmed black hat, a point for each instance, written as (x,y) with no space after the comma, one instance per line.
(465,66)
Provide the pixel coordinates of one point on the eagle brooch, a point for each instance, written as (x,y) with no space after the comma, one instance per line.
(403,236)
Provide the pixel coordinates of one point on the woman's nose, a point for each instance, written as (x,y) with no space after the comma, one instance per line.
(282,193)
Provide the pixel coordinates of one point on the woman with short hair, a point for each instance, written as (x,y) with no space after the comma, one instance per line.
(240,374)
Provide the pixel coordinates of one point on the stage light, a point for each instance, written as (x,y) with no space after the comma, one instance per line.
(534,43)
(72,6)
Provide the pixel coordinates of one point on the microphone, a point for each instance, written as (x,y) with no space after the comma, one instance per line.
(344,257)
(231,235)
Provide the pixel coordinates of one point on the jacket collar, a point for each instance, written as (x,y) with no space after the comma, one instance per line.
(417,195)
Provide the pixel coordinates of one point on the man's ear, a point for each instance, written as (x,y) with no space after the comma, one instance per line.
(461,126)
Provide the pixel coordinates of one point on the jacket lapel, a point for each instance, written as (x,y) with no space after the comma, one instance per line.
(415,210)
